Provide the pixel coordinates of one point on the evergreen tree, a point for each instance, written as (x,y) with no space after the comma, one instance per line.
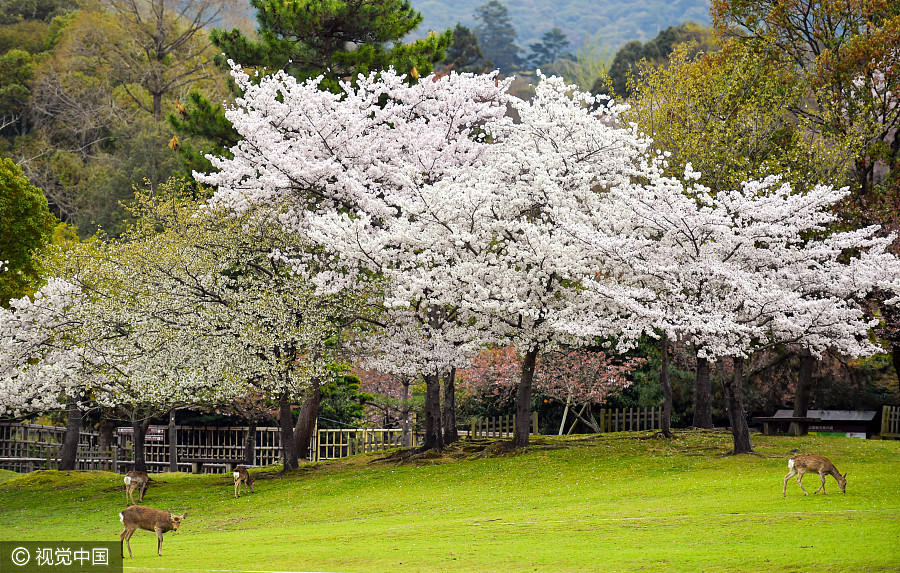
(25,228)
(464,54)
(497,37)
(553,46)
(306,38)
(656,51)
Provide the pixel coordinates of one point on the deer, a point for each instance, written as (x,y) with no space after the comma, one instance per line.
(821,465)
(136,481)
(241,474)
(149,519)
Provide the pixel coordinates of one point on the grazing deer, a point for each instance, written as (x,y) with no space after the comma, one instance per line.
(241,474)
(139,516)
(821,465)
(136,481)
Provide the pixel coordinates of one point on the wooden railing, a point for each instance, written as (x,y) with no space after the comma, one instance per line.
(334,444)
(890,422)
(498,427)
(629,419)
(208,442)
(29,447)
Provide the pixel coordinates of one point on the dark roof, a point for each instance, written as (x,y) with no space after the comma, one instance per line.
(833,415)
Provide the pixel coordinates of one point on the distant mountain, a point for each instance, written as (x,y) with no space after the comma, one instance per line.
(610,23)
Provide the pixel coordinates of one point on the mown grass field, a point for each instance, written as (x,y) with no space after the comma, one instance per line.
(616,502)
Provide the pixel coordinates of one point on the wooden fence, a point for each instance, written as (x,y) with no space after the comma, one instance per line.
(334,444)
(29,447)
(890,422)
(630,419)
(498,427)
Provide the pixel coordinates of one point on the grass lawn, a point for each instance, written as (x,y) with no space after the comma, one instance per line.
(614,502)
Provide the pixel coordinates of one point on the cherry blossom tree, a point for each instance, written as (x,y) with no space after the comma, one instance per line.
(398,179)
(503,226)
(430,343)
(189,308)
(37,361)
(345,168)
(223,282)
(737,271)
(573,377)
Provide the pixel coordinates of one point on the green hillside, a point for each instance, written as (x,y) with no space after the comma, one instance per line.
(611,22)
(614,502)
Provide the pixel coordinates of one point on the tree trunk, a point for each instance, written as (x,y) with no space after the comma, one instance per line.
(740,431)
(666,421)
(306,422)
(523,400)
(448,411)
(804,383)
(286,424)
(106,431)
(406,431)
(562,425)
(139,433)
(157,106)
(434,438)
(895,357)
(68,456)
(250,444)
(173,442)
(703,396)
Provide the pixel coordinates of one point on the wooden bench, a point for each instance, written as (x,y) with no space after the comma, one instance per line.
(197,463)
(771,423)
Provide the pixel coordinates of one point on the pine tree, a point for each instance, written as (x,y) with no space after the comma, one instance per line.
(497,37)
(464,54)
(306,38)
(553,46)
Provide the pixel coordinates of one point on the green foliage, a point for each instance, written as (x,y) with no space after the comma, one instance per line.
(609,23)
(656,51)
(464,54)
(647,391)
(27,35)
(342,405)
(727,114)
(553,46)
(204,130)
(26,226)
(497,37)
(589,65)
(16,71)
(337,39)
(12,11)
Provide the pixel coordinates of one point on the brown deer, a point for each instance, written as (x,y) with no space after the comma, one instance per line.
(136,481)
(241,474)
(821,465)
(139,516)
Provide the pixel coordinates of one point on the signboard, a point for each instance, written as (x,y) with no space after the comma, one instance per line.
(861,435)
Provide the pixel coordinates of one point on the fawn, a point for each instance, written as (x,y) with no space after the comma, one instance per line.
(241,474)
(136,481)
(821,465)
(139,516)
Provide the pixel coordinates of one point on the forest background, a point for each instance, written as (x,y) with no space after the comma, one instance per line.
(100,98)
